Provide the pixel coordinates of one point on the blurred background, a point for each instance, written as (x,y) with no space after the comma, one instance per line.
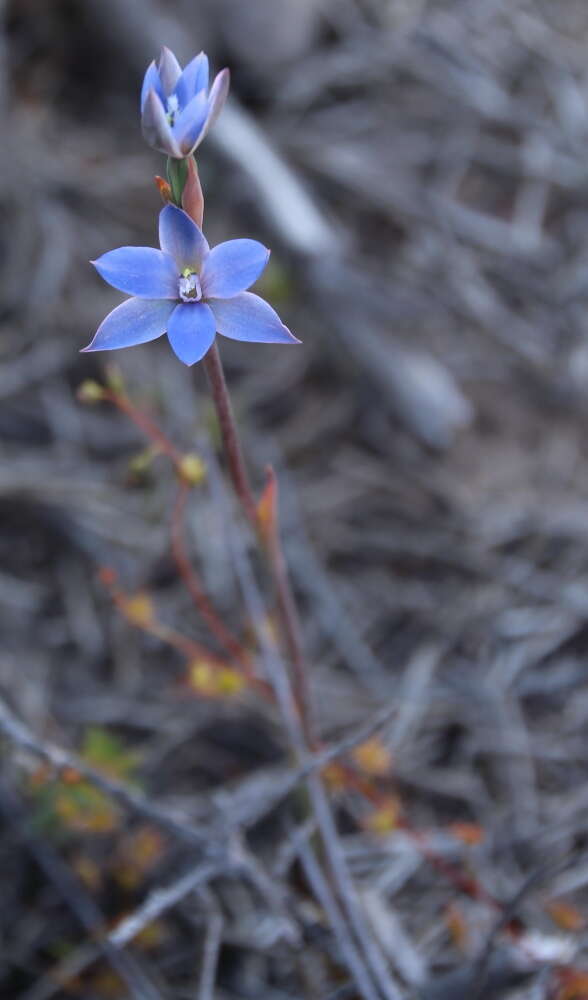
(420,170)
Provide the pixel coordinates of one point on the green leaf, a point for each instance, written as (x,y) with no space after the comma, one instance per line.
(107,753)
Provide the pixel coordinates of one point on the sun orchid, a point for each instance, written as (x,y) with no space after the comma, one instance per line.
(187,290)
(177,109)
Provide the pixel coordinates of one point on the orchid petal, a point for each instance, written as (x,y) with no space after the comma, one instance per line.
(135,321)
(232,267)
(189,125)
(151,82)
(248,317)
(180,237)
(191,331)
(194,78)
(216,99)
(156,127)
(141,271)
(169,70)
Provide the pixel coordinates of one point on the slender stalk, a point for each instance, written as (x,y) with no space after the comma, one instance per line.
(145,424)
(288,612)
(226,419)
(192,582)
(292,629)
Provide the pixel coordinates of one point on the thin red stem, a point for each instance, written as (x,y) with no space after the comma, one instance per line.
(192,582)
(288,613)
(145,424)
(292,630)
(236,464)
(286,604)
(188,647)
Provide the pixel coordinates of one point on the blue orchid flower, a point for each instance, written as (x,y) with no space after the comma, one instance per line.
(187,290)
(176,108)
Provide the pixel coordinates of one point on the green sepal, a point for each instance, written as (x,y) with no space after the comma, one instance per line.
(177,173)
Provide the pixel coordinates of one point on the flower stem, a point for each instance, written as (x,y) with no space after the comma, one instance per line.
(194,587)
(226,419)
(272,548)
(292,631)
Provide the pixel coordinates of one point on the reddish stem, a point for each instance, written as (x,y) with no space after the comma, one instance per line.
(286,604)
(292,628)
(145,424)
(194,587)
(288,613)
(188,647)
(226,419)
(189,576)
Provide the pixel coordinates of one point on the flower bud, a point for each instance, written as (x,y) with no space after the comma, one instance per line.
(139,610)
(177,106)
(230,682)
(192,470)
(90,392)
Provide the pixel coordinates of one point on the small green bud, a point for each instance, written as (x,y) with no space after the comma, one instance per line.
(90,392)
(192,470)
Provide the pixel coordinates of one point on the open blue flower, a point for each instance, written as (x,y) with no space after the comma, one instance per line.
(187,290)
(176,108)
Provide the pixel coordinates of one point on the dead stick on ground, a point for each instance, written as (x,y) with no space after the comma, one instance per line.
(156,904)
